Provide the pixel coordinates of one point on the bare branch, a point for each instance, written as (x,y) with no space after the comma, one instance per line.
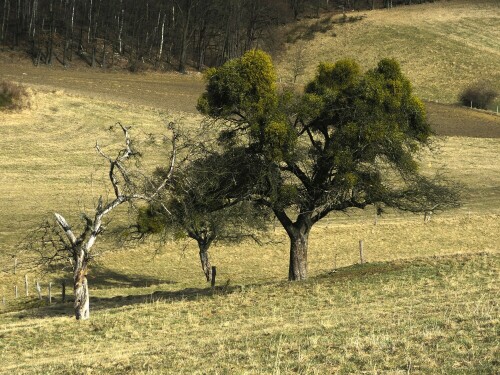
(173,156)
(66,228)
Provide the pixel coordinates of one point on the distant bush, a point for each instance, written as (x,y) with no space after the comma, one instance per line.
(13,96)
(137,66)
(479,95)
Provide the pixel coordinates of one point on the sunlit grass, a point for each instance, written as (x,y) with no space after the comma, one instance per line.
(409,309)
(442,46)
(426,316)
(426,301)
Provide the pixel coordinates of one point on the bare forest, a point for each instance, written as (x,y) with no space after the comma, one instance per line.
(162,34)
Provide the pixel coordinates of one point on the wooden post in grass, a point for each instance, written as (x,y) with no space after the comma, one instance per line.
(39,290)
(50,293)
(361,260)
(15,291)
(15,266)
(63,292)
(26,285)
(214,273)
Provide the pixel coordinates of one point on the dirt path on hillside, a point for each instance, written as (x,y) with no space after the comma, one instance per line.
(168,91)
(178,92)
(452,120)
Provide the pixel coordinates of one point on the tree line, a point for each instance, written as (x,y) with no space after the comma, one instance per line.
(169,34)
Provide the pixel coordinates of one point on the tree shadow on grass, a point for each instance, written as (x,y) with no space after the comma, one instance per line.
(99,278)
(420,267)
(41,309)
(105,278)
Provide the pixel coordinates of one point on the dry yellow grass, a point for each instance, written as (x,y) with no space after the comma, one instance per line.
(426,302)
(151,311)
(49,164)
(426,316)
(61,171)
(442,46)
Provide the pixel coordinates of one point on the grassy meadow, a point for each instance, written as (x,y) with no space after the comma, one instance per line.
(432,315)
(426,301)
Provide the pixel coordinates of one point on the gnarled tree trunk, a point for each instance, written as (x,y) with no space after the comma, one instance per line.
(205,262)
(80,247)
(204,241)
(299,240)
(298,232)
(81,291)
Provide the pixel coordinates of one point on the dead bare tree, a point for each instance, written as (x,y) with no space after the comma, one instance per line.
(78,247)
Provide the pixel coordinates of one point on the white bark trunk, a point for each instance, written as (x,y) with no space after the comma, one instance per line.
(120,30)
(67,229)
(3,19)
(160,53)
(81,291)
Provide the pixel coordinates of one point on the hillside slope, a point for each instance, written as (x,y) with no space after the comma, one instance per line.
(429,316)
(442,46)
(426,302)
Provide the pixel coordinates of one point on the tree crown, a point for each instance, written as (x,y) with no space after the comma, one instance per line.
(348,141)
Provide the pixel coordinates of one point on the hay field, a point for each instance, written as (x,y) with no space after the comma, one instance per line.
(169,91)
(49,163)
(434,315)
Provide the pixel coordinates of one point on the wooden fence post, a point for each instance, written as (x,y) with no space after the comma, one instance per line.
(26,285)
(214,273)
(50,293)
(361,260)
(39,290)
(15,290)
(63,292)
(15,266)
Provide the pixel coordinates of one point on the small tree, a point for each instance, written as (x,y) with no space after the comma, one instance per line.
(62,243)
(298,62)
(478,95)
(204,204)
(348,141)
